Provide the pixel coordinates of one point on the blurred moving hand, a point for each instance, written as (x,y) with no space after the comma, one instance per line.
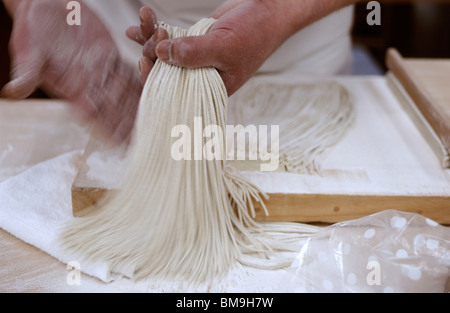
(78,63)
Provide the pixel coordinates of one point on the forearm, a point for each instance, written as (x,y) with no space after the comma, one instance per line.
(301,13)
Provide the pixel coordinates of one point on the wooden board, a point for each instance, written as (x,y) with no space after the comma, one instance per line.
(422,86)
(383,163)
(283,207)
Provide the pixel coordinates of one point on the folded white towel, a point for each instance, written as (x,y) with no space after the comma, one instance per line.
(36,204)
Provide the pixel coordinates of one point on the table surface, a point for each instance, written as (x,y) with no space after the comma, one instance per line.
(31,135)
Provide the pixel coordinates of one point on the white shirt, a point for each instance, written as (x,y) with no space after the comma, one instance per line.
(324,47)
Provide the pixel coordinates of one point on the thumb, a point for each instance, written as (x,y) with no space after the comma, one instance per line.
(26,76)
(191,52)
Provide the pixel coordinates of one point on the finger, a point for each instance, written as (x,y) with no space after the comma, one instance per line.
(148,22)
(144,32)
(135,34)
(26,76)
(191,52)
(145,66)
(150,46)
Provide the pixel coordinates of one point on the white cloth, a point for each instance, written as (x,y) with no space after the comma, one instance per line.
(324,47)
(36,204)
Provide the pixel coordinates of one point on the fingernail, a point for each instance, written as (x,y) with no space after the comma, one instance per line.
(164,50)
(140,66)
(157,35)
(141,14)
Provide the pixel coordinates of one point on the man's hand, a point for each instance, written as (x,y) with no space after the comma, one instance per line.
(77,63)
(244,36)
(147,35)
(237,44)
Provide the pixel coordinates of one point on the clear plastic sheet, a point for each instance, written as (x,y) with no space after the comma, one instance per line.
(390,251)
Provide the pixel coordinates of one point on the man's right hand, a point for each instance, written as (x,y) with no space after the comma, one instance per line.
(246,33)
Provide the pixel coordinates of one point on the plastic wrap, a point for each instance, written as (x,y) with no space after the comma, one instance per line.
(390,251)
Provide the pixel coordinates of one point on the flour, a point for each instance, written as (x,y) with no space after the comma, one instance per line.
(108,167)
